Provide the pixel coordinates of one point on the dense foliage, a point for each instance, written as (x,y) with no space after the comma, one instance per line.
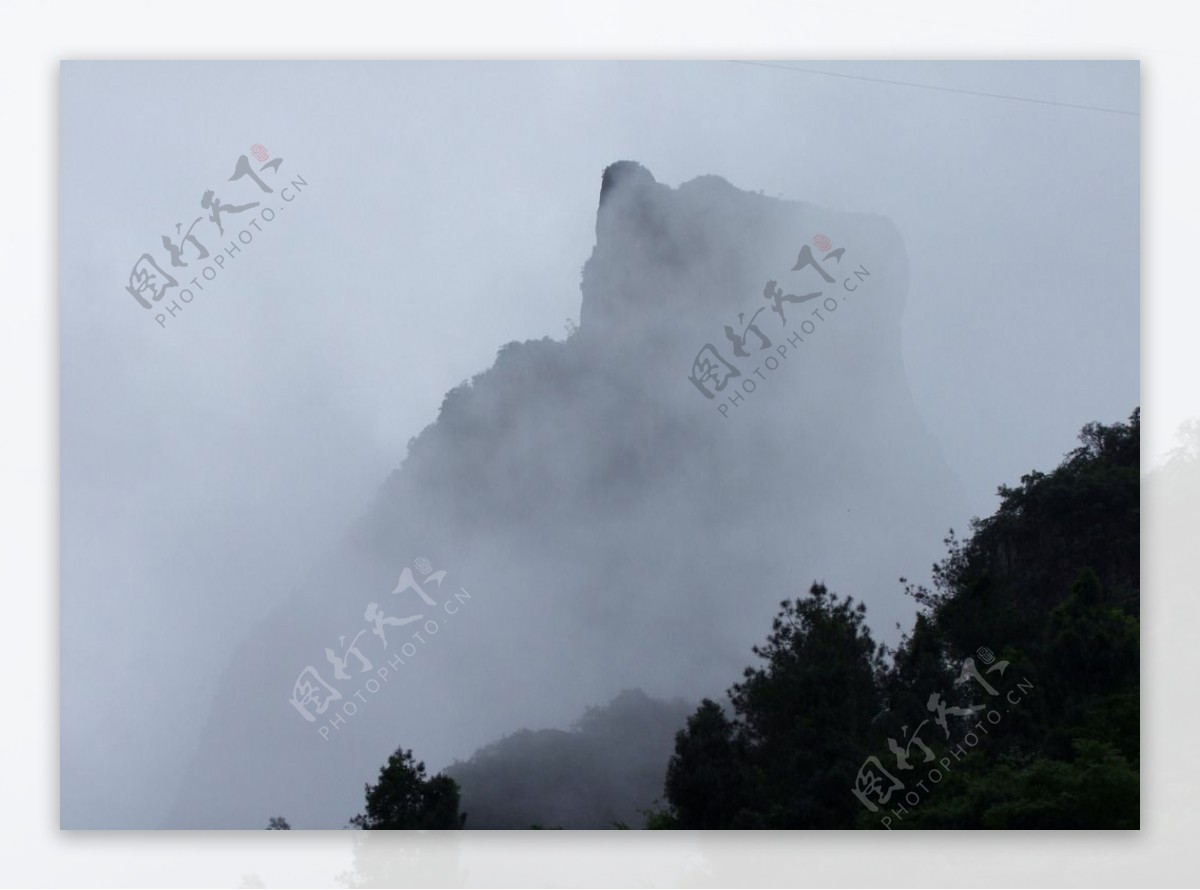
(1027,644)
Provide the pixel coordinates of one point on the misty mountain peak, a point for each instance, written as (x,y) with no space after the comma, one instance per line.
(624,175)
(599,512)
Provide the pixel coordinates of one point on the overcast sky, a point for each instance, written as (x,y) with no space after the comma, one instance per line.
(447,209)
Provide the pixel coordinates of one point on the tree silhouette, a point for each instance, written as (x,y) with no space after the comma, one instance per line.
(705,781)
(1050,581)
(801,722)
(405,798)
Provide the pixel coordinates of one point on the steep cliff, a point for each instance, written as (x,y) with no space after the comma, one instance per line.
(621,509)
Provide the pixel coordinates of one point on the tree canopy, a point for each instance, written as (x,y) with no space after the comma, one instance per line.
(1044,594)
(405,798)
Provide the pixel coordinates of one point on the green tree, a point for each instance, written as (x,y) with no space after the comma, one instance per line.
(1050,583)
(1097,788)
(801,721)
(705,784)
(806,714)
(1019,563)
(405,798)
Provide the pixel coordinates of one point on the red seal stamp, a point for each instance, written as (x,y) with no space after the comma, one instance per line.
(262,154)
(821,241)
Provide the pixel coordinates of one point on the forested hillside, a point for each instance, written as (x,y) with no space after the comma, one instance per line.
(1013,701)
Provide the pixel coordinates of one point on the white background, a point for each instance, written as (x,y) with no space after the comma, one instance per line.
(32,850)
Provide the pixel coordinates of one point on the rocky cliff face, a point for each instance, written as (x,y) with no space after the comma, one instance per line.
(623,509)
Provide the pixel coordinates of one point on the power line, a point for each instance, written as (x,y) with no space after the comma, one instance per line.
(926,86)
